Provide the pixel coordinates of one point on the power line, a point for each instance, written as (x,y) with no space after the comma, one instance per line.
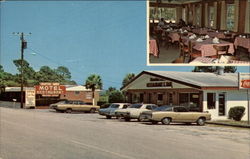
(53,61)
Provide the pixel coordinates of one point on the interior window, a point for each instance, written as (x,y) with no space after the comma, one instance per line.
(169,14)
(211,16)
(230,16)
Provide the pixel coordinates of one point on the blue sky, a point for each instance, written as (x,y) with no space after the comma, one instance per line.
(106,38)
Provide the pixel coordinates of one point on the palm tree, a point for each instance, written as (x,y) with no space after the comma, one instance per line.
(128,78)
(93,82)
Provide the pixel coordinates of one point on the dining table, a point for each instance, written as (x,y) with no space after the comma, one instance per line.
(243,42)
(153,47)
(206,46)
(208,60)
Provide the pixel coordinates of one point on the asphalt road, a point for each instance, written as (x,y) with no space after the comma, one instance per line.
(44,134)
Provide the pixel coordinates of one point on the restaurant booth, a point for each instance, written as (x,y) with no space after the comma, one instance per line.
(195,90)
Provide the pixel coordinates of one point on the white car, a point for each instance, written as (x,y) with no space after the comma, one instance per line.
(134,111)
(110,111)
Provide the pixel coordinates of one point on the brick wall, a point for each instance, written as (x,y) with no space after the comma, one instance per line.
(85,96)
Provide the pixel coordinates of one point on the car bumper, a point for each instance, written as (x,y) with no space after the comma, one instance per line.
(122,114)
(146,117)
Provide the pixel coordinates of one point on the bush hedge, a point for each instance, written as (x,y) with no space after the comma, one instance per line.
(236,113)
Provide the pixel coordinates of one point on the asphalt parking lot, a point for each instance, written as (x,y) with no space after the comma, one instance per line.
(39,134)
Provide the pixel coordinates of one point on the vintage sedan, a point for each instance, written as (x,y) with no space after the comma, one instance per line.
(110,111)
(134,111)
(70,105)
(177,114)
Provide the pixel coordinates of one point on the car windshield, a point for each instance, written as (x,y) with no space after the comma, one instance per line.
(137,106)
(114,106)
(61,102)
(164,108)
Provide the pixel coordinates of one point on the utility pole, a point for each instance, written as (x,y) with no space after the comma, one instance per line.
(23,46)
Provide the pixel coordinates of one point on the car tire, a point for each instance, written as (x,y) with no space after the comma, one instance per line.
(154,122)
(68,110)
(127,119)
(140,119)
(166,121)
(108,117)
(92,110)
(201,121)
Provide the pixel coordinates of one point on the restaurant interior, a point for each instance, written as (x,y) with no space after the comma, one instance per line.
(199,31)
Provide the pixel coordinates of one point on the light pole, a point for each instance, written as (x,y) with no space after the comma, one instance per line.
(23,46)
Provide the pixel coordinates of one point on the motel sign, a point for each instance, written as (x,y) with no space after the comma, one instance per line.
(50,89)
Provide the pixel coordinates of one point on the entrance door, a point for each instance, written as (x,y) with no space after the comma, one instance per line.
(141,97)
(149,97)
(222,104)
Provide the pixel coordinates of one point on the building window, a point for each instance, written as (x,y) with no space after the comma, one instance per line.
(88,95)
(230,16)
(183,99)
(77,92)
(160,97)
(169,14)
(211,99)
(211,17)
(170,98)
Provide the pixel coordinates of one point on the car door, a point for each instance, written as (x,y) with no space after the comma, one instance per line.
(182,114)
(85,107)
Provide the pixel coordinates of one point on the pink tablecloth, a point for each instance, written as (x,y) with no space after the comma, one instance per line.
(153,48)
(219,35)
(207,60)
(174,36)
(243,42)
(199,31)
(206,47)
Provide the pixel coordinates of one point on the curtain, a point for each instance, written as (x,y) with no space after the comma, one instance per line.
(215,14)
(206,15)
(247,24)
(178,14)
(223,15)
(236,17)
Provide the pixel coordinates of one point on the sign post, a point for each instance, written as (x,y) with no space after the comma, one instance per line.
(244,83)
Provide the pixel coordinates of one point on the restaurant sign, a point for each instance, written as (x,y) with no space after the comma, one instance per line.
(244,80)
(30,98)
(50,89)
(160,84)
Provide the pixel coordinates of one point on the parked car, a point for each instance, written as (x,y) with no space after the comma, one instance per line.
(110,111)
(143,115)
(71,105)
(134,111)
(176,114)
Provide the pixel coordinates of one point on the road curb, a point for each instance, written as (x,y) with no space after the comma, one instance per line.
(233,125)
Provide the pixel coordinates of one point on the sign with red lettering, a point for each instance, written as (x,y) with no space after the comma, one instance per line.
(244,80)
(245,83)
(50,89)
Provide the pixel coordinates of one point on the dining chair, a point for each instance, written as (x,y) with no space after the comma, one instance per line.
(192,52)
(223,49)
(183,48)
(168,41)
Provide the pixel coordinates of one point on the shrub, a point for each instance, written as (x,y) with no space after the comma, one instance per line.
(236,113)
